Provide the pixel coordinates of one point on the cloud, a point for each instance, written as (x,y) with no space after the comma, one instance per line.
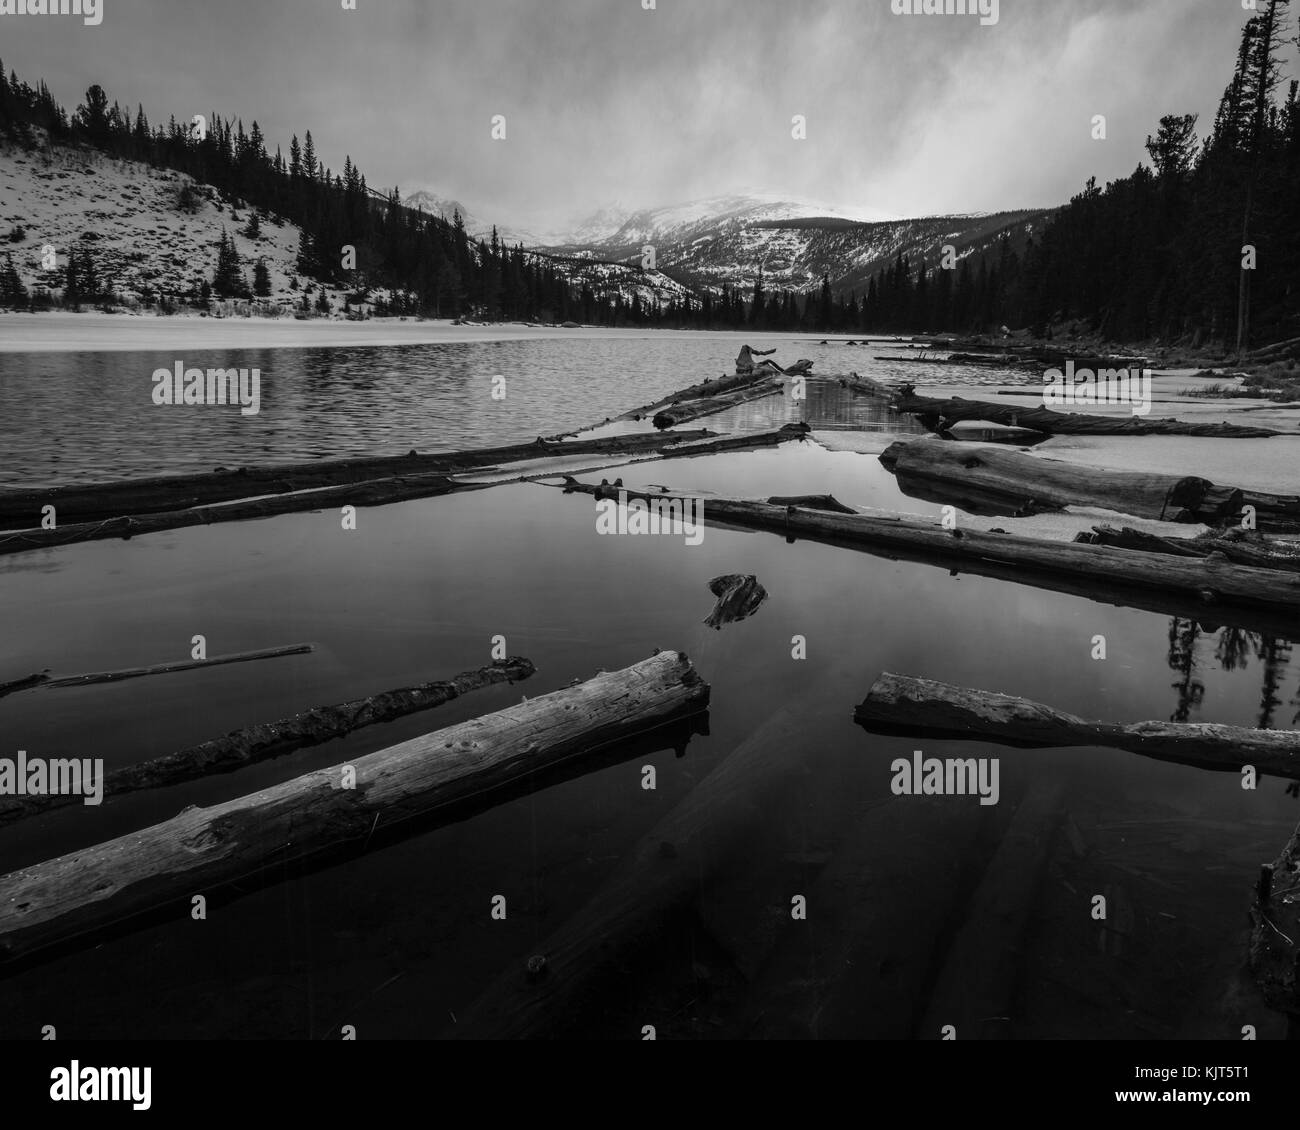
(605,100)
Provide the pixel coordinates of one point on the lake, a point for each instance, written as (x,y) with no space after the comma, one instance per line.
(399,939)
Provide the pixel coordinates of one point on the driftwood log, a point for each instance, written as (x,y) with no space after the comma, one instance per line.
(379,492)
(202,848)
(1274,938)
(687,410)
(739,597)
(704,390)
(44,681)
(1026,483)
(268,740)
(901,704)
(1239,546)
(939,415)
(1094,571)
(21,509)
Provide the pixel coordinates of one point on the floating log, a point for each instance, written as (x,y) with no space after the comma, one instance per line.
(653,883)
(1238,546)
(688,410)
(1031,482)
(381,492)
(865,385)
(1213,581)
(45,681)
(85,891)
(901,704)
(1274,952)
(704,390)
(814,502)
(968,359)
(739,597)
(940,415)
(268,740)
(22,509)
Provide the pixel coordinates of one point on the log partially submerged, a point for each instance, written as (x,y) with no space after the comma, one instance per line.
(1238,546)
(202,848)
(939,415)
(45,681)
(22,509)
(382,492)
(652,883)
(1029,483)
(739,597)
(706,389)
(687,410)
(268,740)
(1274,952)
(1097,571)
(899,704)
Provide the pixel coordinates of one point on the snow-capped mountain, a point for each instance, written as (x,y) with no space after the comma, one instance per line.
(727,239)
(430,202)
(700,245)
(686,222)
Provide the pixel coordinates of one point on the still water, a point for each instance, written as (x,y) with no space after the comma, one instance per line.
(400,939)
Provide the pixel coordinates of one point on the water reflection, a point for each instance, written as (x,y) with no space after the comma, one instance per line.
(1233,651)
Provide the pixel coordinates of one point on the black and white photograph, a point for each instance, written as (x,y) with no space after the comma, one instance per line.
(650,520)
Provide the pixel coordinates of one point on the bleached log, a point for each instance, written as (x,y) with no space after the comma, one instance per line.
(902,704)
(202,848)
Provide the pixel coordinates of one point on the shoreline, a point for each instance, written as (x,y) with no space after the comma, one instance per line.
(66,332)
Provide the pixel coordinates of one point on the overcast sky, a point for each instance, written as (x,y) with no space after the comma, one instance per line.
(607,102)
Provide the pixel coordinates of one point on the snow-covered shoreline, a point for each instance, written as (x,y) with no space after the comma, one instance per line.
(60,331)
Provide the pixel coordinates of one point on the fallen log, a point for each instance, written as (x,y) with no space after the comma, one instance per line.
(940,415)
(1031,482)
(652,883)
(687,410)
(814,502)
(899,704)
(22,509)
(706,389)
(865,385)
(1104,572)
(1257,552)
(739,597)
(45,681)
(202,848)
(1274,953)
(381,492)
(268,740)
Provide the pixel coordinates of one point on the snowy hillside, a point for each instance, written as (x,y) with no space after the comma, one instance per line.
(150,232)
